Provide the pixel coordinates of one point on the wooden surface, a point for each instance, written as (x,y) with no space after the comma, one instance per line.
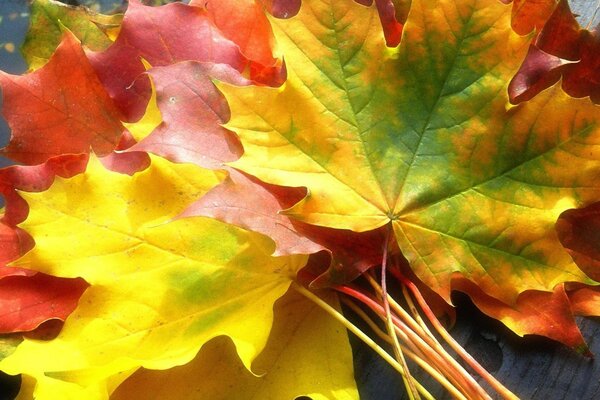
(533,368)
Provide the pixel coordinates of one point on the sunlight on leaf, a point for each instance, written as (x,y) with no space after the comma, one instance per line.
(422,136)
(320,362)
(159,289)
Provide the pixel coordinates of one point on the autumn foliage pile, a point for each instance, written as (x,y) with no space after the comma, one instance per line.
(200,185)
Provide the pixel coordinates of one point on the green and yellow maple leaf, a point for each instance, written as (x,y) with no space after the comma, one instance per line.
(422,136)
(159,289)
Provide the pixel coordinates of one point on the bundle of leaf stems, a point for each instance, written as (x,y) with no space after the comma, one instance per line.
(409,335)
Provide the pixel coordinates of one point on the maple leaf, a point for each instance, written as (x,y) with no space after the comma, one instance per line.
(562,49)
(421,136)
(48,20)
(113,230)
(28,298)
(295,349)
(361,138)
(190,110)
(155,35)
(541,313)
(51,112)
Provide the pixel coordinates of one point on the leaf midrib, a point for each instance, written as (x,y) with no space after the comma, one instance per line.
(459,41)
(355,122)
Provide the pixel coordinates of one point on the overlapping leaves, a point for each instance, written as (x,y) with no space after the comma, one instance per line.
(562,49)
(359,135)
(122,218)
(159,289)
(421,137)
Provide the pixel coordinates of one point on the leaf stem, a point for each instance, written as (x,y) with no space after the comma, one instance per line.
(363,315)
(407,378)
(414,357)
(418,360)
(417,328)
(360,334)
(489,378)
(422,347)
(415,312)
(461,376)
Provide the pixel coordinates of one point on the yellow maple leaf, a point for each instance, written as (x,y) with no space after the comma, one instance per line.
(307,354)
(159,290)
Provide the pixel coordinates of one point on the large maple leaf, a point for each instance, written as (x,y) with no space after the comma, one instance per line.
(159,289)
(422,137)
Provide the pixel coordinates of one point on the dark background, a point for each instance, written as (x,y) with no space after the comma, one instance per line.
(532,367)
